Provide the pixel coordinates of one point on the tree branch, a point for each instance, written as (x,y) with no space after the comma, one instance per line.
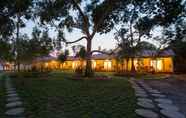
(70,42)
(85,18)
(99,22)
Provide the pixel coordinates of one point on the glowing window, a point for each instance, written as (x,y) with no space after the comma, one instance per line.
(157,64)
(93,64)
(107,65)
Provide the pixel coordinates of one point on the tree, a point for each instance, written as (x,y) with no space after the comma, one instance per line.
(6,53)
(138,19)
(144,45)
(129,36)
(63,56)
(91,18)
(40,43)
(13,14)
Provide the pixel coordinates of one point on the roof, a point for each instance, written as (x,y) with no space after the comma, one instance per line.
(144,53)
(161,53)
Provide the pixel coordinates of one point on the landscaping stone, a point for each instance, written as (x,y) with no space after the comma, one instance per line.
(168,107)
(11,92)
(11,89)
(158,95)
(163,101)
(15,111)
(146,113)
(140,92)
(12,95)
(172,114)
(154,91)
(11,99)
(144,99)
(146,104)
(141,95)
(14,104)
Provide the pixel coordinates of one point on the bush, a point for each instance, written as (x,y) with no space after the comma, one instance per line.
(79,71)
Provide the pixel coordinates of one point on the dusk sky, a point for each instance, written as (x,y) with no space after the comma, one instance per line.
(105,41)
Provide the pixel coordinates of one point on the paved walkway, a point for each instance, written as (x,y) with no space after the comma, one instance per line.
(153,103)
(173,89)
(14,106)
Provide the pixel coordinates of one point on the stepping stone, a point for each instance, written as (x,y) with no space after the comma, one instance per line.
(163,101)
(172,114)
(146,113)
(158,95)
(138,89)
(137,92)
(141,95)
(12,95)
(11,92)
(11,99)
(154,91)
(144,100)
(141,82)
(15,112)
(146,104)
(14,104)
(168,107)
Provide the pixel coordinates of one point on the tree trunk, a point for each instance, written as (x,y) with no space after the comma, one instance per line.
(88,69)
(133,70)
(127,63)
(3,67)
(17,43)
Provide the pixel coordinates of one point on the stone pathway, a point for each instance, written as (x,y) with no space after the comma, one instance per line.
(153,103)
(14,105)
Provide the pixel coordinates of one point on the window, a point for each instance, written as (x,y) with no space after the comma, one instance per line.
(93,64)
(107,65)
(157,64)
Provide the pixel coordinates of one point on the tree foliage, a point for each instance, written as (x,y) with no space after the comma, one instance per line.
(63,56)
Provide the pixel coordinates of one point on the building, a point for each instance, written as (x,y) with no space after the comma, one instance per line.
(145,61)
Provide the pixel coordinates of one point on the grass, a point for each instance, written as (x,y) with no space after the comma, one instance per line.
(2,97)
(59,96)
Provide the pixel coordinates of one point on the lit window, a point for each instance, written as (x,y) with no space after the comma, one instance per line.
(93,64)
(157,64)
(107,65)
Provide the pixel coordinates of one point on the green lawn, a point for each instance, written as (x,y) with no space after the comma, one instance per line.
(59,96)
(2,97)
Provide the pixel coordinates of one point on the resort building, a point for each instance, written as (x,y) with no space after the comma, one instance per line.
(146,61)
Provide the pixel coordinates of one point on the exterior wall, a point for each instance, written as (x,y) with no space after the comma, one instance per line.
(162,64)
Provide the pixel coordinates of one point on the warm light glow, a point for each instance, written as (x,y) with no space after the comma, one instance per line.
(46,64)
(73,65)
(157,64)
(93,64)
(107,65)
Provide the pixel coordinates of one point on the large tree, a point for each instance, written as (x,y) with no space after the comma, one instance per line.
(137,20)
(12,16)
(90,17)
